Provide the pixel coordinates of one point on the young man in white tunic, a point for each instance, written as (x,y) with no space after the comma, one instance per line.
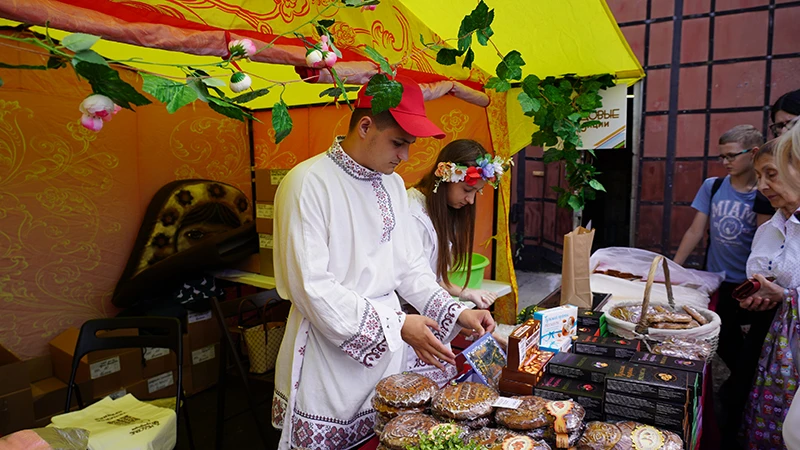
(342,249)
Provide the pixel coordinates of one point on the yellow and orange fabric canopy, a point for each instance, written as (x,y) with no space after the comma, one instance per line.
(554,37)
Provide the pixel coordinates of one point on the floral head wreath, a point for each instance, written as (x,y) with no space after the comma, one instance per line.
(486,168)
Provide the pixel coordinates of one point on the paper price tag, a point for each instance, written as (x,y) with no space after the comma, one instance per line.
(104,367)
(265,241)
(203,354)
(265,211)
(197,317)
(118,394)
(505,402)
(276,176)
(160,382)
(153,353)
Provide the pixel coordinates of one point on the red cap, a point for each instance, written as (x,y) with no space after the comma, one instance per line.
(410,113)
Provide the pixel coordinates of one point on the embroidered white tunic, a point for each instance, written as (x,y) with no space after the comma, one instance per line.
(425,235)
(341,250)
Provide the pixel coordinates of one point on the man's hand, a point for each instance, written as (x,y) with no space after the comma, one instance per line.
(416,332)
(768,297)
(478,320)
(482,299)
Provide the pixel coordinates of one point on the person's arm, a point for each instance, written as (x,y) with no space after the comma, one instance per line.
(482,299)
(362,329)
(692,237)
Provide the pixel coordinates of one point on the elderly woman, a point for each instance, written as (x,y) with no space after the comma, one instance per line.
(776,253)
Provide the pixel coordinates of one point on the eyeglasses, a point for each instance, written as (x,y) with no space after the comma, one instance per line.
(777,127)
(730,157)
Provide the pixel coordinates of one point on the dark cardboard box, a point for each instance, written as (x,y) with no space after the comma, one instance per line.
(265,216)
(203,372)
(588,318)
(587,394)
(588,331)
(651,382)
(267,182)
(108,370)
(160,386)
(607,347)
(580,367)
(156,361)
(511,387)
(202,329)
(50,395)
(266,263)
(16,410)
(13,372)
(683,364)
(524,338)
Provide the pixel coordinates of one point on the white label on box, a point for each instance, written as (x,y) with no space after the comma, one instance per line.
(202,355)
(104,367)
(505,402)
(119,394)
(160,382)
(154,352)
(265,241)
(276,176)
(197,317)
(264,211)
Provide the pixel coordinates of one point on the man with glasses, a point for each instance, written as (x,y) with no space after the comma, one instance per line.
(727,205)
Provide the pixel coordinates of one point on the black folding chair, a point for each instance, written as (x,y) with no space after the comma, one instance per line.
(167,335)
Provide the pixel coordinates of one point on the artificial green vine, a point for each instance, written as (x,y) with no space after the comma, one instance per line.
(560,107)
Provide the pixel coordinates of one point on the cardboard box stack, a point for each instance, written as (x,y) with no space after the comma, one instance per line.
(200,353)
(50,393)
(525,362)
(267,182)
(16,399)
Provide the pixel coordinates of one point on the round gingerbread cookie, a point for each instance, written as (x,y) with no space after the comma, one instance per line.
(391,412)
(523,443)
(404,390)
(531,414)
(464,401)
(403,431)
(491,438)
(646,437)
(475,424)
(600,436)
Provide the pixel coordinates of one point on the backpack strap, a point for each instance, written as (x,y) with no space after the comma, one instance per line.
(714,188)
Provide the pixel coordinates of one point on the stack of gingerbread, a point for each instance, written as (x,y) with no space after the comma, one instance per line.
(502,439)
(401,394)
(627,436)
(466,404)
(558,423)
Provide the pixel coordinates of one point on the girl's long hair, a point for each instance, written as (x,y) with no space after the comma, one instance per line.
(454,227)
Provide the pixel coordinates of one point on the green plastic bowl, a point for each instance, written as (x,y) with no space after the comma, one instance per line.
(479,263)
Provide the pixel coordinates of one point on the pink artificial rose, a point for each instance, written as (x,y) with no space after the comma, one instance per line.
(243,47)
(329,58)
(369,8)
(108,117)
(91,122)
(98,105)
(324,43)
(314,59)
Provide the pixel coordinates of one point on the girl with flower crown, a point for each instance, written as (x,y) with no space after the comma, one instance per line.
(443,206)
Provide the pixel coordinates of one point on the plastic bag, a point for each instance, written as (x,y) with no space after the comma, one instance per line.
(405,390)
(125,423)
(636,262)
(633,290)
(46,439)
(464,401)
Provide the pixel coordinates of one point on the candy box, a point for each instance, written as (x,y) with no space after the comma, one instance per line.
(657,383)
(557,326)
(608,347)
(521,342)
(487,359)
(580,367)
(589,318)
(587,394)
(692,366)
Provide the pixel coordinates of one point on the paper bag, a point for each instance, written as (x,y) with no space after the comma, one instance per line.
(124,424)
(575,272)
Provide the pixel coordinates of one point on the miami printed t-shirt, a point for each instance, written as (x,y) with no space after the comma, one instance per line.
(733,224)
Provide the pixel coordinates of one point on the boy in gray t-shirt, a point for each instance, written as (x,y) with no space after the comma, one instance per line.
(725,208)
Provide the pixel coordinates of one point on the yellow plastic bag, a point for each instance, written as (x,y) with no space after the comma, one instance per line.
(123,424)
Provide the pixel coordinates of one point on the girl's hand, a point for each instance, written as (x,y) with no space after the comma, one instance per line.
(482,299)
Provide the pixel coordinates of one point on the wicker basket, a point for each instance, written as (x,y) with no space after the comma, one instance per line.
(641,330)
